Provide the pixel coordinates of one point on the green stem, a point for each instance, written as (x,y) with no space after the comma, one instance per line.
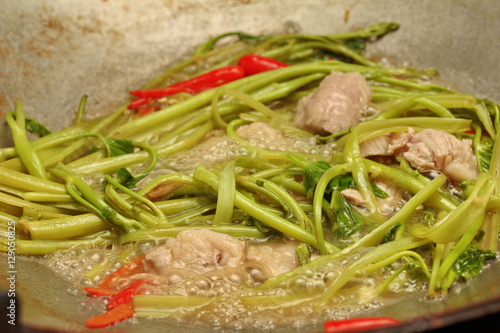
(43,247)
(225,195)
(453,225)
(319,193)
(287,228)
(157,233)
(63,228)
(379,253)
(22,144)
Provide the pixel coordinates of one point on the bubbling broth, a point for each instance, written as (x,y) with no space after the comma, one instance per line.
(236,305)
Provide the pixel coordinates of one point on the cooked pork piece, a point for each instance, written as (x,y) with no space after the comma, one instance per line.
(264,136)
(431,150)
(387,205)
(428,150)
(337,105)
(377,146)
(198,250)
(201,250)
(273,258)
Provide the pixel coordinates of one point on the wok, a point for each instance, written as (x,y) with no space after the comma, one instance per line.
(53,52)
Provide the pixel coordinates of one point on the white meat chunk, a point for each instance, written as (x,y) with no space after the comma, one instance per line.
(387,205)
(273,258)
(337,105)
(432,150)
(377,146)
(264,136)
(198,250)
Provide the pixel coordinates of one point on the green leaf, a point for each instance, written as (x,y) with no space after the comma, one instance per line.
(117,147)
(126,178)
(341,183)
(37,128)
(356,44)
(389,235)
(471,262)
(484,152)
(379,193)
(348,222)
(313,172)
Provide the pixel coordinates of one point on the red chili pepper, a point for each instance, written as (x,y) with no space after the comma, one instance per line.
(138,102)
(125,296)
(119,313)
(132,267)
(254,64)
(358,324)
(209,80)
(484,133)
(97,291)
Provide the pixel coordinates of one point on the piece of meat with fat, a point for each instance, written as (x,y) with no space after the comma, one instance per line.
(198,250)
(428,150)
(338,104)
(201,250)
(377,146)
(432,150)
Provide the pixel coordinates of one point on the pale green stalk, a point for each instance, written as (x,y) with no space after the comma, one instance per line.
(225,195)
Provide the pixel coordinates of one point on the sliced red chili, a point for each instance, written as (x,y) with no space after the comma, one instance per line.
(132,267)
(97,291)
(138,102)
(125,296)
(358,324)
(119,313)
(254,64)
(484,133)
(197,84)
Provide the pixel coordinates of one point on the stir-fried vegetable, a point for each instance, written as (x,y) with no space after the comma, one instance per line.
(151,171)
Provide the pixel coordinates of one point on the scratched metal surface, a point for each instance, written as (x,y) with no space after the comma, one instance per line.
(53,52)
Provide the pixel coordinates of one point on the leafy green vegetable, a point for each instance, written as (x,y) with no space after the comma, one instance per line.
(471,262)
(389,235)
(348,222)
(35,127)
(484,152)
(341,183)
(313,172)
(356,44)
(117,147)
(379,193)
(125,177)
